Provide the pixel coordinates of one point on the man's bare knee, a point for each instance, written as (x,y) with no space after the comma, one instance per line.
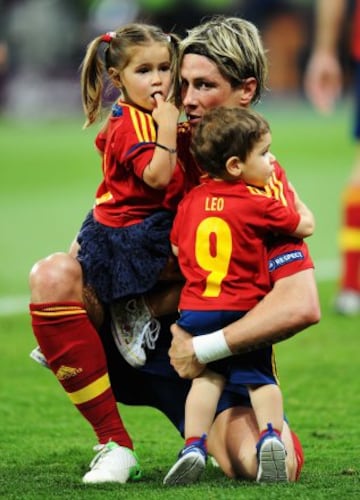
(56,278)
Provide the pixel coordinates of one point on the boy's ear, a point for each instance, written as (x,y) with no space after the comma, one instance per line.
(234,166)
(115,77)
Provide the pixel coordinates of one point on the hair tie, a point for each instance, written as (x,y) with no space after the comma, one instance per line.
(108,36)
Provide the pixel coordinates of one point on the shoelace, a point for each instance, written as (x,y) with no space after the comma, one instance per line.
(150,333)
(151,330)
(135,311)
(136,315)
(102,450)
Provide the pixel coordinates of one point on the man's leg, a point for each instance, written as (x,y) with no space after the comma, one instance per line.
(232,442)
(75,354)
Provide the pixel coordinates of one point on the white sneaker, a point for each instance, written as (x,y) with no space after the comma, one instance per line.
(38,356)
(113,463)
(133,329)
(272,460)
(347,303)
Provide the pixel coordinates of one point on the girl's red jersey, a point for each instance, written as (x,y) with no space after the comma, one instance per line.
(127,146)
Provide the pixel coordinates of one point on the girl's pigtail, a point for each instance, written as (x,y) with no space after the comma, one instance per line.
(92,73)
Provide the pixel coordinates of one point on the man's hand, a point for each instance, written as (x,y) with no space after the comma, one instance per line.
(182,356)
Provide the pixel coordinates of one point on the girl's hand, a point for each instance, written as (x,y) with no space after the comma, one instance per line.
(164,113)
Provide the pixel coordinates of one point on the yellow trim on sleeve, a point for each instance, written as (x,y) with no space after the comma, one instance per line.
(143,125)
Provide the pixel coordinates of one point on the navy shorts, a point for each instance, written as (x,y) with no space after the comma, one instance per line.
(157,385)
(255,367)
(118,262)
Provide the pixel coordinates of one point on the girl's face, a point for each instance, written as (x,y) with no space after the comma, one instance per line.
(259,164)
(203,87)
(147,73)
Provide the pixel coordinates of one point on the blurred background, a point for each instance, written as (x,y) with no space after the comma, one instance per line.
(49,174)
(49,168)
(42,42)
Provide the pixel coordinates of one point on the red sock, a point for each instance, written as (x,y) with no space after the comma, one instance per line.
(299,453)
(267,430)
(193,439)
(349,240)
(76,356)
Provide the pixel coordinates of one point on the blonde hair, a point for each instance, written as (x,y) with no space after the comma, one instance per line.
(234,45)
(116,54)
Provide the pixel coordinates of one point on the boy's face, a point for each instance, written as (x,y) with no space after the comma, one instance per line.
(259,164)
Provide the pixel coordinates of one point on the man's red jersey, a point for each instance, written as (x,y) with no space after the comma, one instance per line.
(220,229)
(355,35)
(286,255)
(187,173)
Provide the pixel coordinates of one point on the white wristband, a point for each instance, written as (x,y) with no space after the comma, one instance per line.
(211,347)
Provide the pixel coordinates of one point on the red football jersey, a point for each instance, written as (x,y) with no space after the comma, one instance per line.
(220,230)
(286,255)
(127,146)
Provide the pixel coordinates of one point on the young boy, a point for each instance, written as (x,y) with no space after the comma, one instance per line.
(219,235)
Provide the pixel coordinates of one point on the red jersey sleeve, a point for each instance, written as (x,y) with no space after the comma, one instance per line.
(100,142)
(280,218)
(287,256)
(134,141)
(280,188)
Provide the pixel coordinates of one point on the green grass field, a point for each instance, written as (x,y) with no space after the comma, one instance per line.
(49,175)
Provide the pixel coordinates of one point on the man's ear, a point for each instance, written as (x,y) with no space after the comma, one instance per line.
(248,89)
(115,77)
(234,166)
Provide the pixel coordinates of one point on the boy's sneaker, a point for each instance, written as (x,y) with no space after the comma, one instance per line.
(189,466)
(113,464)
(271,455)
(38,356)
(133,329)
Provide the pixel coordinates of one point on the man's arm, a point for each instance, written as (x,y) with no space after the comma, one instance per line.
(291,306)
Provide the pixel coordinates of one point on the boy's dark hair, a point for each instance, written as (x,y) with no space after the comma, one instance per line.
(225,132)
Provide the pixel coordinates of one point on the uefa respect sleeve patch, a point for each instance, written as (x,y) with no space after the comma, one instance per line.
(285,258)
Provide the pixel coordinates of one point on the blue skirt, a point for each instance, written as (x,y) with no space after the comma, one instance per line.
(118,262)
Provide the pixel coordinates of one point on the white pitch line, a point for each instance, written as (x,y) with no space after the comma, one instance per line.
(325,270)
(14,305)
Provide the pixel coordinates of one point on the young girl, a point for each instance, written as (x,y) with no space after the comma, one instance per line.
(219,235)
(123,245)
(124,241)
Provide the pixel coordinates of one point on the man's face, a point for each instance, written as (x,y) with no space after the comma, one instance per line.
(203,87)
